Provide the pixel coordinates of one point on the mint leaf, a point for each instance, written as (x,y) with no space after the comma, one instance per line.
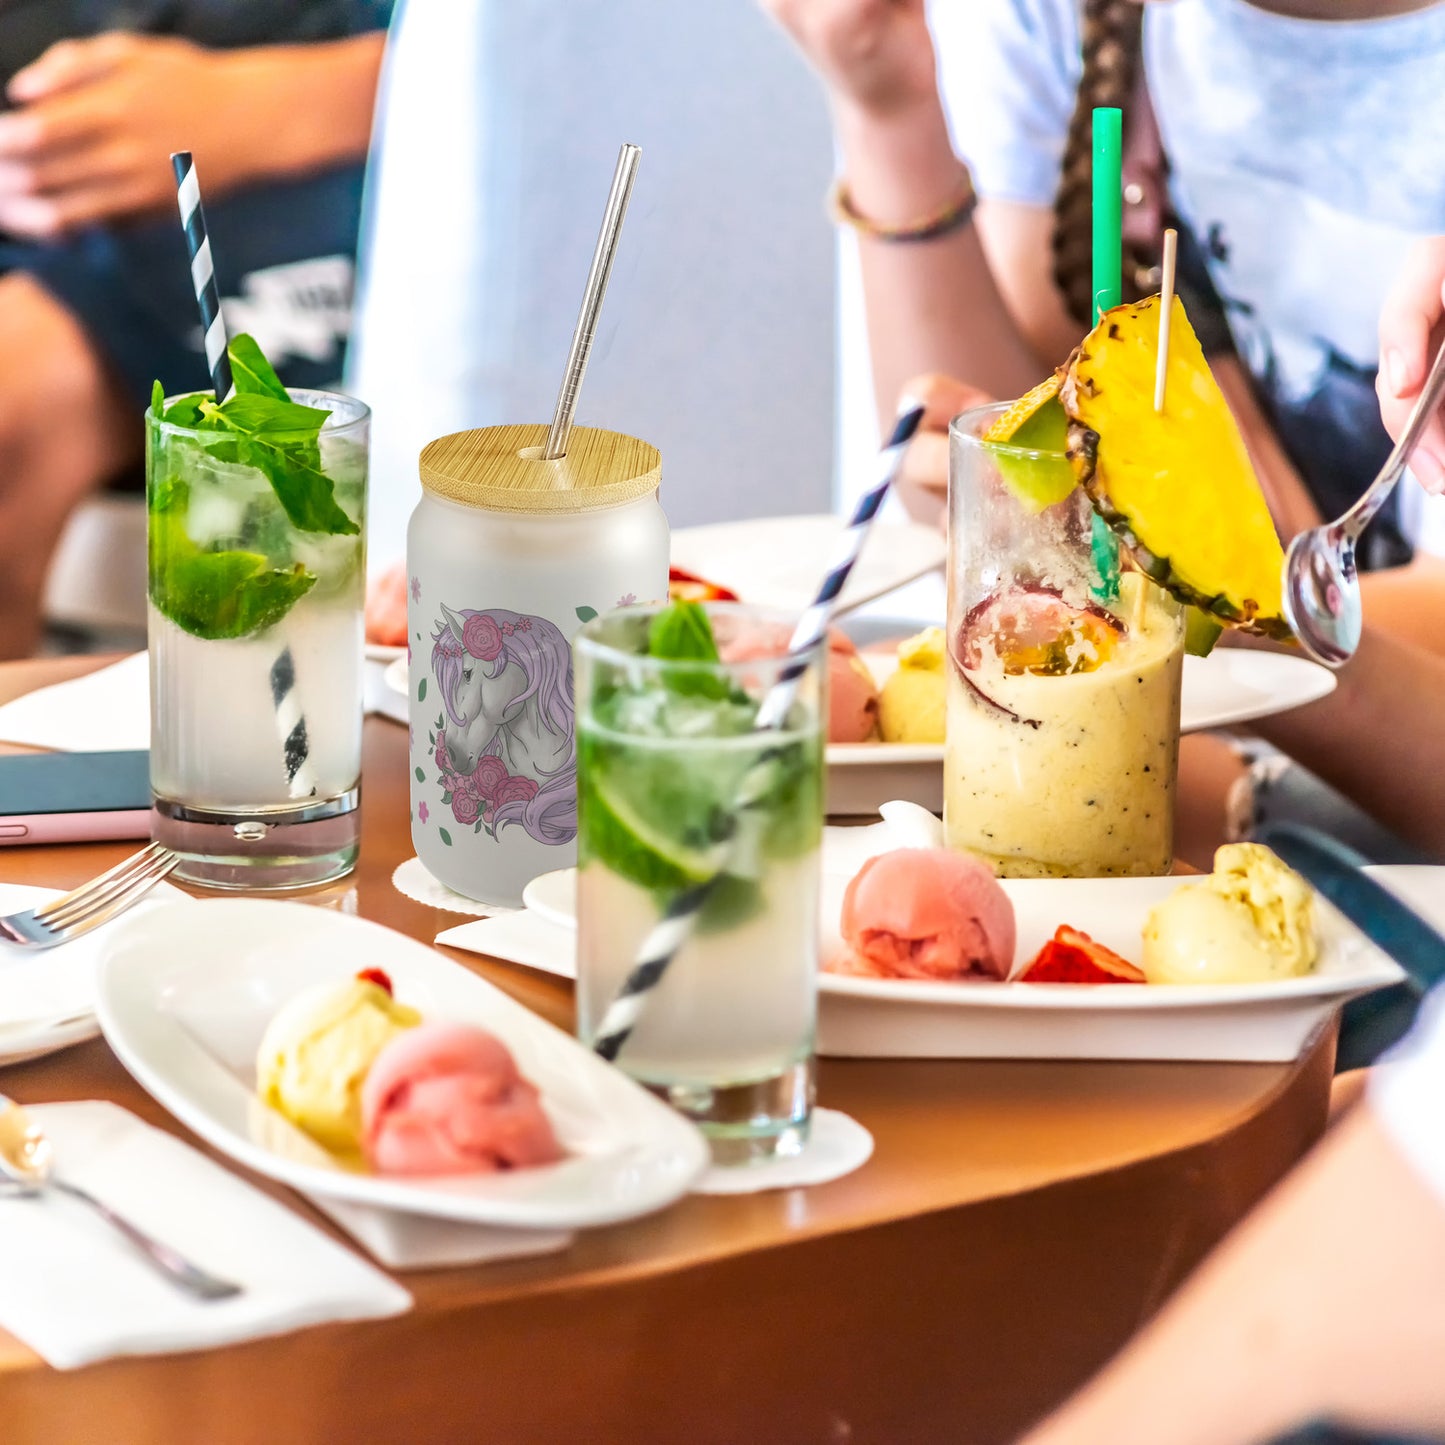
(217,594)
(158,398)
(251,371)
(266,417)
(681,632)
(303,490)
(185,411)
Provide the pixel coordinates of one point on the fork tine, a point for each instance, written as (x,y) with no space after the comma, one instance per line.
(85,889)
(56,913)
(103,910)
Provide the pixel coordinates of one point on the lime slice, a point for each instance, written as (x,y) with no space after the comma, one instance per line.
(1035,422)
(617,837)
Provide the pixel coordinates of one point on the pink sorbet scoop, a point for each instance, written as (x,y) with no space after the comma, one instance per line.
(451,1102)
(927,913)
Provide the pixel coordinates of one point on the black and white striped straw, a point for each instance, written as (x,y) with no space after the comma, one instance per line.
(203,272)
(290,724)
(672,931)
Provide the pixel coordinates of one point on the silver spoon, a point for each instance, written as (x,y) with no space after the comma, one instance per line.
(27,1162)
(1321,588)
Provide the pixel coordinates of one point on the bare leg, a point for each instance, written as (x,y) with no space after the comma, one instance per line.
(1208,768)
(65,428)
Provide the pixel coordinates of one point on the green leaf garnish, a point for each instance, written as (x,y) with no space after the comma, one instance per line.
(217,594)
(681,632)
(158,398)
(251,371)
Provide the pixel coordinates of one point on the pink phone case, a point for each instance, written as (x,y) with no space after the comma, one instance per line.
(76,827)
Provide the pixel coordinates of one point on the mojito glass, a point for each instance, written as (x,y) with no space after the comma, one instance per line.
(665,749)
(1064,675)
(256,588)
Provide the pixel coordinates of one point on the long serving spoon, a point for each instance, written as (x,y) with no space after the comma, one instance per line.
(27,1162)
(1321,586)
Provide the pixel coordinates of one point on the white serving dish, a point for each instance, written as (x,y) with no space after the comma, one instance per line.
(186,990)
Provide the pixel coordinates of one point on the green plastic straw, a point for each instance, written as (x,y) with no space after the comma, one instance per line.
(1108,208)
(1108,288)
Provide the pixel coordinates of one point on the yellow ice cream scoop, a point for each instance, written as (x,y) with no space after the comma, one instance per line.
(316,1051)
(1249,921)
(910,705)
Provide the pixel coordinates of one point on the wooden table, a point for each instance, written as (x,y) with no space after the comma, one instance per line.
(1017,1222)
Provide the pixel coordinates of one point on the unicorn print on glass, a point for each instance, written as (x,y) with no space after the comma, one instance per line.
(507,556)
(506,753)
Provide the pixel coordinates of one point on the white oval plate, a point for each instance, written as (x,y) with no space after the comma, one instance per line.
(186,991)
(384,652)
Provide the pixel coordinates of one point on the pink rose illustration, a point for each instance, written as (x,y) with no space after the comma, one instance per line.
(465,807)
(482,637)
(516,790)
(489,775)
(442,760)
(421,811)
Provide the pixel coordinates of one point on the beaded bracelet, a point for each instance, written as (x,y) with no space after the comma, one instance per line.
(955,215)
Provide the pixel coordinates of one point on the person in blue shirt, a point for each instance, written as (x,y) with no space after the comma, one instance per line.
(274,98)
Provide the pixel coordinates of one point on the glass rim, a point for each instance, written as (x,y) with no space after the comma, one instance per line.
(974,414)
(587,642)
(340,429)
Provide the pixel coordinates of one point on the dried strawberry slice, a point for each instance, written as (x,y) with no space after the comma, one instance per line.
(1071,956)
(377,976)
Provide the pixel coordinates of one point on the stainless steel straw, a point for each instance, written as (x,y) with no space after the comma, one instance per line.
(612,218)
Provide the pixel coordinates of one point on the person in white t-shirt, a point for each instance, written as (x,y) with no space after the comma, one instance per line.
(1302,145)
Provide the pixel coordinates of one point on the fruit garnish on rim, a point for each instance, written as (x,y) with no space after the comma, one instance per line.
(1036,422)
(1176,487)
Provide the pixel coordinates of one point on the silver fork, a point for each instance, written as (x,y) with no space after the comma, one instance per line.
(92,904)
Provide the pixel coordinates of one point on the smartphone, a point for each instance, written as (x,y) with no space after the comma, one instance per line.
(74,797)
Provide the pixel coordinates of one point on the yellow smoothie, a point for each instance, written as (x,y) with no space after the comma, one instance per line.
(1069,774)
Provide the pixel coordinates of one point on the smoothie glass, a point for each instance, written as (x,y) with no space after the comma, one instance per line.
(1063,680)
(255,633)
(663,749)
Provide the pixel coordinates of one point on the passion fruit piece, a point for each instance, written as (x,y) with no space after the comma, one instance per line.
(1036,422)
(1035,630)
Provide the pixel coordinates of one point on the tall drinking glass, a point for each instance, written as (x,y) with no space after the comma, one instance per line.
(663,752)
(255,630)
(1063,679)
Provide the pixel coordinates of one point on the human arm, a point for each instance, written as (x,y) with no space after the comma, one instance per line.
(94,120)
(1323,1304)
(931,306)
(1412,328)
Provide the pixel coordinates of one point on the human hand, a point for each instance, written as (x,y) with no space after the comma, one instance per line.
(1412,328)
(922,483)
(95,121)
(877,54)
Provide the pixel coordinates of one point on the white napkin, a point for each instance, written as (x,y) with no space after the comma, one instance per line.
(415,1241)
(102,712)
(519,938)
(76,1292)
(837,1145)
(47,985)
(414,880)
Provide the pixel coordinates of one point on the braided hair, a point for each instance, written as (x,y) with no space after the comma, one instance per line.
(1112,42)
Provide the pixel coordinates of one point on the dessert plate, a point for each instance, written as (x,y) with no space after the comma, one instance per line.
(384,652)
(779,561)
(1257,1022)
(186,992)
(886,1018)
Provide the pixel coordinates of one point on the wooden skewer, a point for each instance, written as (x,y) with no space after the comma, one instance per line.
(1166,310)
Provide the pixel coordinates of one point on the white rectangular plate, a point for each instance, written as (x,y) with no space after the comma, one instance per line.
(186,990)
(1260,1022)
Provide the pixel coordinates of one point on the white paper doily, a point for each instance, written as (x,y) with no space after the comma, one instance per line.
(412,879)
(837,1145)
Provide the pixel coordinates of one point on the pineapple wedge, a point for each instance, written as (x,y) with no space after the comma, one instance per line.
(1176,487)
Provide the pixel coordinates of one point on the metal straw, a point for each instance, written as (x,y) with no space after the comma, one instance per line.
(672,931)
(612,218)
(286,707)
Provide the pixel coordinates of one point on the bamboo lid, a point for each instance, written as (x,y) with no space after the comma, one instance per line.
(501,468)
